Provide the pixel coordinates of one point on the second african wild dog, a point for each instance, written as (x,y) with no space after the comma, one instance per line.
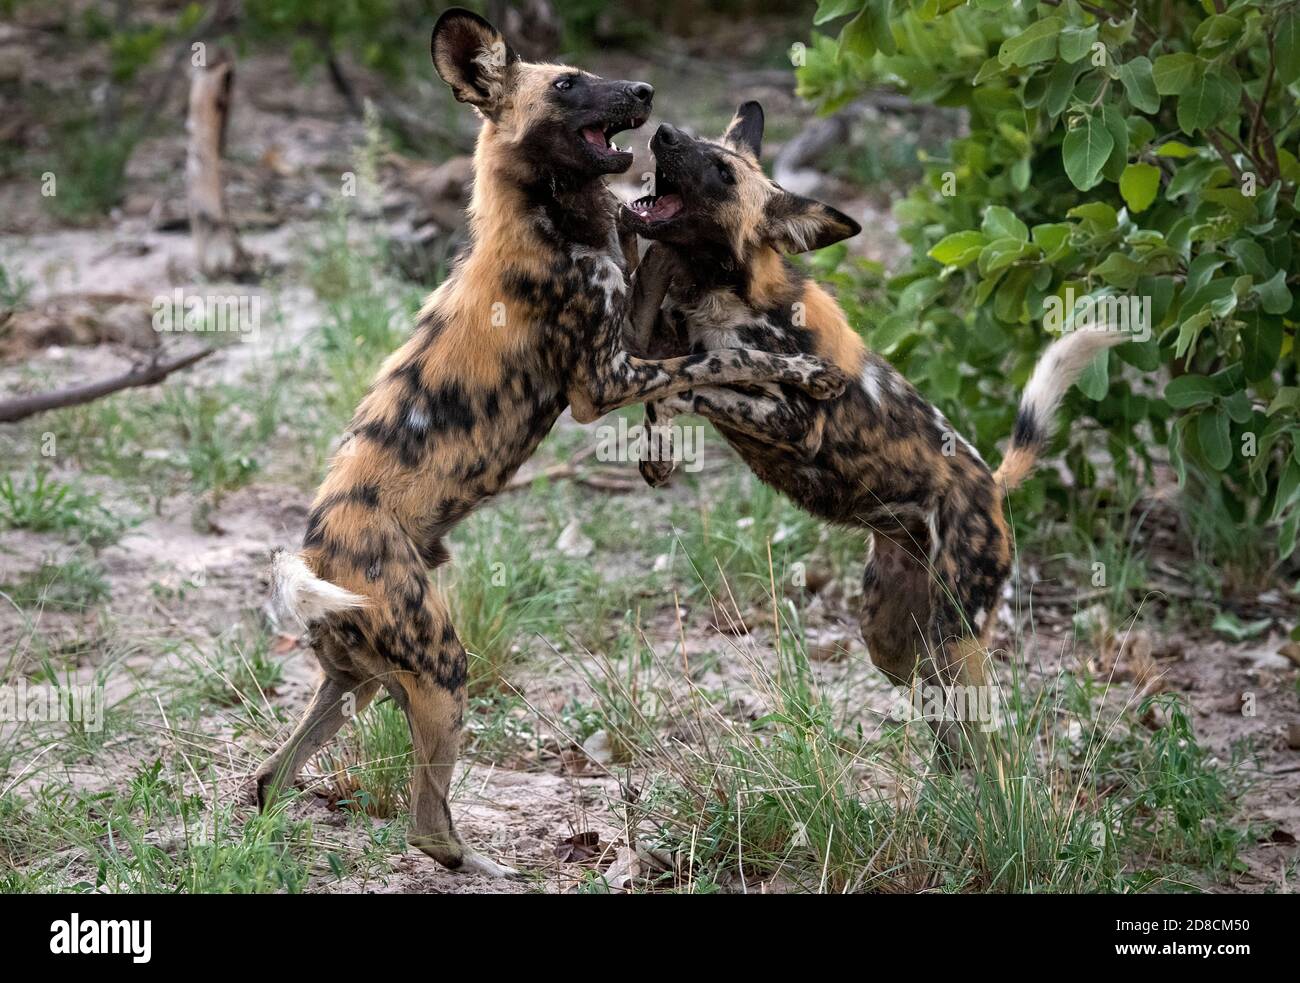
(529,321)
(880,456)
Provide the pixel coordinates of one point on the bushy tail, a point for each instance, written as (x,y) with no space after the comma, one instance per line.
(298,596)
(1058,369)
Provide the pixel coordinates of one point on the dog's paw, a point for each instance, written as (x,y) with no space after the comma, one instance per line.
(475,863)
(656,473)
(259,791)
(827,381)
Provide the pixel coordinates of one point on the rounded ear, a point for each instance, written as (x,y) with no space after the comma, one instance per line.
(472,57)
(795,224)
(745,131)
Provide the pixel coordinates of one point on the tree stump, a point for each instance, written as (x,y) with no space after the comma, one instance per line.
(218,252)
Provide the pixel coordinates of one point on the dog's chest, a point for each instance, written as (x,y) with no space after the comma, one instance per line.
(598,276)
(723,321)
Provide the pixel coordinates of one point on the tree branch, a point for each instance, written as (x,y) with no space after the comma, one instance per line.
(147,374)
(1215,138)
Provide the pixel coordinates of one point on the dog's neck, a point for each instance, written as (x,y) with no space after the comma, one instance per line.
(512,204)
(764,281)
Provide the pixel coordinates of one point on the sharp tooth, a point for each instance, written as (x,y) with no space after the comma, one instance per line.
(614,146)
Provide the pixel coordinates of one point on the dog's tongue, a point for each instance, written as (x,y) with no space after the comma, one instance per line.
(665,207)
(595,136)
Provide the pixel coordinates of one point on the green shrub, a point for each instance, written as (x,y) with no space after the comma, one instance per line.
(1149,159)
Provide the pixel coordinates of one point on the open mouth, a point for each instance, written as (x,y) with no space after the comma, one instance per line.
(663,206)
(599,136)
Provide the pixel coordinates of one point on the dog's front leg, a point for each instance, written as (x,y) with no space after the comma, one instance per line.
(793,425)
(608,377)
(655,460)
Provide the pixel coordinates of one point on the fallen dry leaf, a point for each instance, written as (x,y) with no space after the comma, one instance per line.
(580,848)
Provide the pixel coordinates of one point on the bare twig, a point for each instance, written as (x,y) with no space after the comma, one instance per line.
(1215,137)
(602,480)
(146,374)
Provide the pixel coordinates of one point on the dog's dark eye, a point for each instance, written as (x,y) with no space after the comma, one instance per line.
(724,173)
(563,84)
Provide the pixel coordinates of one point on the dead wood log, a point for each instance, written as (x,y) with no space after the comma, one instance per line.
(217,249)
(144,374)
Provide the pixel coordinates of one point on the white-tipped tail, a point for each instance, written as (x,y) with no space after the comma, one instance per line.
(1058,370)
(299,596)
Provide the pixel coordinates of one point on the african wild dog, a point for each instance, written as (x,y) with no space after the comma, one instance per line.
(529,321)
(878,457)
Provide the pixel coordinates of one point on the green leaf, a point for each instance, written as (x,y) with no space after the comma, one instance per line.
(1009,303)
(1139,185)
(991,69)
(1288,490)
(1239,407)
(945,376)
(1139,85)
(1214,435)
(1000,222)
(869,32)
(1174,74)
(1202,103)
(831,9)
(858,35)
(1189,177)
(1085,150)
(1118,130)
(1251,258)
(1036,43)
(1286,45)
(1053,239)
(1261,343)
(1175,148)
(1286,536)
(959,248)
(893,331)
(1095,380)
(1227,623)
(1287,398)
(1190,390)
(882,11)
(1097,214)
(1119,270)
(1076,42)
(1060,86)
(1140,130)
(1274,296)
(1217,31)
(1021,173)
(1001,253)
(1144,355)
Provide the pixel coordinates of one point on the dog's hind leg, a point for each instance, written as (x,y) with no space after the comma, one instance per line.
(337,699)
(970,565)
(896,605)
(430,689)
